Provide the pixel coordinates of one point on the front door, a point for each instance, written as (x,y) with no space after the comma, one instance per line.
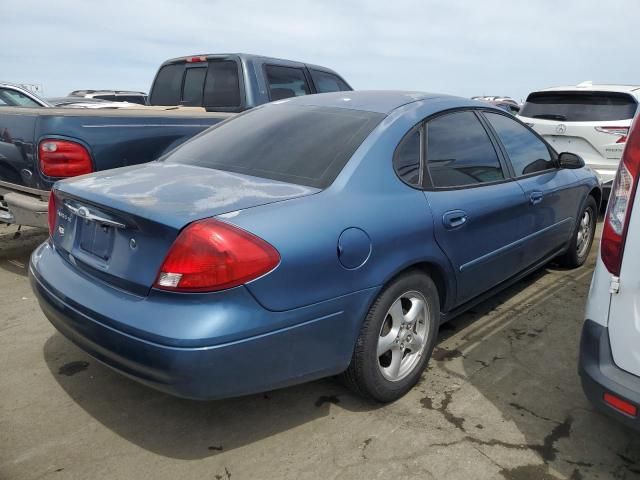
(552,195)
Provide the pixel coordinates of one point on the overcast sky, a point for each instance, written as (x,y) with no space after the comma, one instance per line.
(465,48)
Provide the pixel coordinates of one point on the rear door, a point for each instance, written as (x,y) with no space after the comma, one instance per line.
(590,123)
(475,203)
(552,195)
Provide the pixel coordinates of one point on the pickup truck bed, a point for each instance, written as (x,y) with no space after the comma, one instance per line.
(113,138)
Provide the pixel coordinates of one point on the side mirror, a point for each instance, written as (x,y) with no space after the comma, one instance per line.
(570,160)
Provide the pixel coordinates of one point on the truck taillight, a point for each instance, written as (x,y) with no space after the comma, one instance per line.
(63,158)
(196,59)
(51,212)
(209,255)
(623,192)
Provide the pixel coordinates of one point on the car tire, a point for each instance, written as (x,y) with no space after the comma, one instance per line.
(582,238)
(398,320)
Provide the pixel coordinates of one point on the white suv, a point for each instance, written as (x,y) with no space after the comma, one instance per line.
(590,120)
(610,345)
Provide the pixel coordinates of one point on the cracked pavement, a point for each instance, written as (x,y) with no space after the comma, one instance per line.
(501,399)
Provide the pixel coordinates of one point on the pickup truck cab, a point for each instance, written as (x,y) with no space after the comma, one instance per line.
(237,82)
(40,145)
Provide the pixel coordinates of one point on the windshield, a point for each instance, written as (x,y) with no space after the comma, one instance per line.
(302,145)
(579,106)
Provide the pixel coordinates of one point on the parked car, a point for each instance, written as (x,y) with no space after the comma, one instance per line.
(12,95)
(507,104)
(40,146)
(112,95)
(79,102)
(590,120)
(610,345)
(309,237)
(237,82)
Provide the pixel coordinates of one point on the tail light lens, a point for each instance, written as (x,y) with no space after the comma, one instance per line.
(63,158)
(51,212)
(623,192)
(210,255)
(620,131)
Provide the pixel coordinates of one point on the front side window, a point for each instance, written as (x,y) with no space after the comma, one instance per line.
(16,99)
(459,152)
(528,154)
(285,82)
(301,145)
(328,82)
(406,160)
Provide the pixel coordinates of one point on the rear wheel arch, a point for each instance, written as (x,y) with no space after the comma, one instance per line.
(596,193)
(435,272)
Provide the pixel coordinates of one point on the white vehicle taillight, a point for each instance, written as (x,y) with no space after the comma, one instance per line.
(621,200)
(622,132)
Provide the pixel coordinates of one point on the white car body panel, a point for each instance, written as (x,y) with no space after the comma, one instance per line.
(599,297)
(624,313)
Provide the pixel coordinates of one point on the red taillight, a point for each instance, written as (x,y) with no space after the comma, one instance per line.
(63,158)
(51,212)
(621,200)
(210,255)
(620,404)
(197,59)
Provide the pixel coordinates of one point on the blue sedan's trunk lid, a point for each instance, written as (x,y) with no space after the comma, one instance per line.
(118,225)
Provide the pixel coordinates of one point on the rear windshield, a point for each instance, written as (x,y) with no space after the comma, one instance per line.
(302,145)
(212,85)
(579,106)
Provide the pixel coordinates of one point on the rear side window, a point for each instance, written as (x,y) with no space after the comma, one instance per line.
(406,161)
(167,89)
(295,144)
(528,154)
(193,87)
(222,86)
(459,152)
(579,106)
(110,98)
(285,82)
(328,82)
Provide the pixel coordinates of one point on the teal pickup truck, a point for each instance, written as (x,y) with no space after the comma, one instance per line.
(40,145)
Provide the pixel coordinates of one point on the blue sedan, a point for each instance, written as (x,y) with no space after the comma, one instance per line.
(322,235)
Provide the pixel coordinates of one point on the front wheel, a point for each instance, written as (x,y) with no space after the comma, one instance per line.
(583,234)
(396,339)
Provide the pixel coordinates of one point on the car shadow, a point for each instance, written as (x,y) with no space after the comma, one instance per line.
(188,429)
(519,351)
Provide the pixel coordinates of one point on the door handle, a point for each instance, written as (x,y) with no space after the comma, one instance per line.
(535,198)
(454,219)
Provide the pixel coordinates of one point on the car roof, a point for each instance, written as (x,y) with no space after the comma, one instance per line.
(378,101)
(594,87)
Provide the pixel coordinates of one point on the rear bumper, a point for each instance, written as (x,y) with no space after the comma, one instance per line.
(23,209)
(600,375)
(311,342)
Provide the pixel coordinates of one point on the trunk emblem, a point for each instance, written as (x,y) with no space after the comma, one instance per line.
(133,244)
(562,128)
(61,230)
